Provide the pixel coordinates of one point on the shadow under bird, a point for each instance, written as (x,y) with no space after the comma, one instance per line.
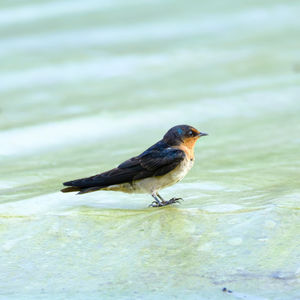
(162,165)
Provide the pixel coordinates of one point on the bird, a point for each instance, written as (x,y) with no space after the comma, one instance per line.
(160,166)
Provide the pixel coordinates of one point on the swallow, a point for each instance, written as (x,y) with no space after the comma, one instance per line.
(162,165)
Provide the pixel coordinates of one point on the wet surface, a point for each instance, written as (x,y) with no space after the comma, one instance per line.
(83,89)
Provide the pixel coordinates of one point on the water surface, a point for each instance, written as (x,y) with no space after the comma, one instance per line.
(84,86)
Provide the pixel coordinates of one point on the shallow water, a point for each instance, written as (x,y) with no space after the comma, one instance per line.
(84,86)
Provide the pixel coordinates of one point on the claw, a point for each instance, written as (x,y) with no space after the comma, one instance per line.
(171,201)
(175,200)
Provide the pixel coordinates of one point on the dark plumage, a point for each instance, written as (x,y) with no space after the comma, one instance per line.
(155,161)
(158,160)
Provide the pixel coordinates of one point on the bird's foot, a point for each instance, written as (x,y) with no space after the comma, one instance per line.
(164,203)
(172,201)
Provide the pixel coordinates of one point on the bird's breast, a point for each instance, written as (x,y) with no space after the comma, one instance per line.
(182,169)
(152,184)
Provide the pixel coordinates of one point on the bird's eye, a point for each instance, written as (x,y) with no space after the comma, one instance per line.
(191,133)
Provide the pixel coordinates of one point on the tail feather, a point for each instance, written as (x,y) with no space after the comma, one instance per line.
(70,189)
(80,190)
(99,181)
(89,190)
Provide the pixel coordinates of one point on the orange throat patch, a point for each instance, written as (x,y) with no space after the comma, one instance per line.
(188,147)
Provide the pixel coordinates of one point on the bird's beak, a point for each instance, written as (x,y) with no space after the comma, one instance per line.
(202,134)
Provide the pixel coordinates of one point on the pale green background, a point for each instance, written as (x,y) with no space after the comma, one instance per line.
(85,85)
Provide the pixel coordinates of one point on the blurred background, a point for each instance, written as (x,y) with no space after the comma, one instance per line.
(85,85)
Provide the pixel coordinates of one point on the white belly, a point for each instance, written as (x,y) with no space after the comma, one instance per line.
(154,184)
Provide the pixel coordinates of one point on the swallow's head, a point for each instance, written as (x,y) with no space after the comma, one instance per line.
(183,134)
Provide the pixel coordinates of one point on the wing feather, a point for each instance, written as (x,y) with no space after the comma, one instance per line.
(155,161)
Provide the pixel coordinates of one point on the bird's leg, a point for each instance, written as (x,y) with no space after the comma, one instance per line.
(160,197)
(156,202)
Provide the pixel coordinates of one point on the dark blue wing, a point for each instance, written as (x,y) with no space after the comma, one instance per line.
(155,161)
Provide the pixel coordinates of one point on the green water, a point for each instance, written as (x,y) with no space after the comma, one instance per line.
(86,85)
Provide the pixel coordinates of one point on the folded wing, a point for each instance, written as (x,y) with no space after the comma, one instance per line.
(156,161)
